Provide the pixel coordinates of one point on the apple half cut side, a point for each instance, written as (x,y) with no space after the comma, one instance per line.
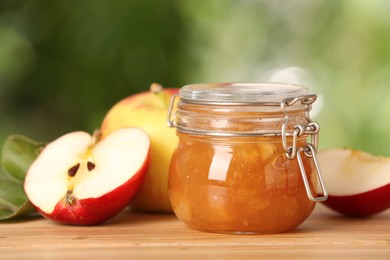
(358,183)
(79,179)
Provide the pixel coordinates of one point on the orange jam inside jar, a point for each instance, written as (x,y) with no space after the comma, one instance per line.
(246,159)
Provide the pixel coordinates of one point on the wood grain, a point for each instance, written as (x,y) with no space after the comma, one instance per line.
(325,235)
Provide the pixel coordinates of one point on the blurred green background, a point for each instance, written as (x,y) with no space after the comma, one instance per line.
(64,63)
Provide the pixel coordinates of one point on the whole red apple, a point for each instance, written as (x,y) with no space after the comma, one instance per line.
(81,179)
(358,183)
(148,110)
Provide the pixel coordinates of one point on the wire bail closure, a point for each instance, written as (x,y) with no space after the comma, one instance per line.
(309,149)
(170,121)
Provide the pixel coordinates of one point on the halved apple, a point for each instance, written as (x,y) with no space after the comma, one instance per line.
(358,183)
(81,180)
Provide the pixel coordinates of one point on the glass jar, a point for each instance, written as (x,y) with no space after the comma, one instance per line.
(246,158)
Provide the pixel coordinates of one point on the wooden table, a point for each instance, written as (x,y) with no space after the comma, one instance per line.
(325,235)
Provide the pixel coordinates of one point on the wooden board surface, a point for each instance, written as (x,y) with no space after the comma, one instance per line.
(325,235)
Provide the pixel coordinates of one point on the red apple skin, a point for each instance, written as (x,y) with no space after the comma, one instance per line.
(95,211)
(358,183)
(363,204)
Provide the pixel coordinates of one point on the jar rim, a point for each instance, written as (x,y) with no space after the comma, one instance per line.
(236,92)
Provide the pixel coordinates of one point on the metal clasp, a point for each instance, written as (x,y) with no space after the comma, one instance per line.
(309,149)
(170,121)
(311,128)
(310,152)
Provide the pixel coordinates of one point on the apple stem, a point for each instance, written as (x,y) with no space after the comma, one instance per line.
(155,88)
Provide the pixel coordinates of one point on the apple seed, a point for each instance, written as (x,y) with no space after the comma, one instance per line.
(73,170)
(90,166)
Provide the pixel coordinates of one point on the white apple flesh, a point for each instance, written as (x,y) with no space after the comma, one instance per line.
(81,180)
(358,183)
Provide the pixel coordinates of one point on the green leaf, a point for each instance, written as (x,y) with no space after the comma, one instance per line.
(13,200)
(3,176)
(17,155)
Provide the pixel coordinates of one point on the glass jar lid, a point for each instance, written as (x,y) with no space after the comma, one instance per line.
(240,109)
(247,93)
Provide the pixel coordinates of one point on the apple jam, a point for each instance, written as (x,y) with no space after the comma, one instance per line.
(243,163)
